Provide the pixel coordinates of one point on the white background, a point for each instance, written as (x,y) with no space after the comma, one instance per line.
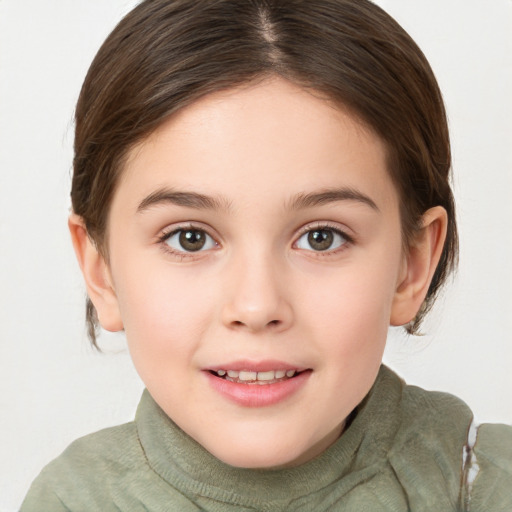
(54,388)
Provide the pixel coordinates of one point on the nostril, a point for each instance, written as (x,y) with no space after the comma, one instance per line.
(272,323)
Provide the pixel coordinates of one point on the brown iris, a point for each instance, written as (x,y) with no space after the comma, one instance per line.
(192,240)
(320,239)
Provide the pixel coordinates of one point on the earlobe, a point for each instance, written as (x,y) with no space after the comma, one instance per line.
(96,275)
(419,266)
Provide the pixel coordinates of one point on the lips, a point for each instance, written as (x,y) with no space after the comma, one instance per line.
(257,384)
(253,377)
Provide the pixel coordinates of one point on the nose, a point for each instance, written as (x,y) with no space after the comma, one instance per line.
(256,297)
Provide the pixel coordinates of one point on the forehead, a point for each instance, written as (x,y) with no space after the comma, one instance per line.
(266,139)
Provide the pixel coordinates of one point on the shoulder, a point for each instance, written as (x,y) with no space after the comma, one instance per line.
(426,453)
(107,449)
(488,472)
(107,471)
(82,475)
(434,412)
(429,414)
(437,447)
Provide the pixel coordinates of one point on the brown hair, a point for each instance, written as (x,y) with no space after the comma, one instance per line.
(165,54)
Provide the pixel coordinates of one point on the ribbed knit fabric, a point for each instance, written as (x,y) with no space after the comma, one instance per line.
(404,451)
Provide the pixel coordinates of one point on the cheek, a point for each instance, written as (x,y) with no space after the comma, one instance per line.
(352,307)
(354,294)
(164,312)
(356,321)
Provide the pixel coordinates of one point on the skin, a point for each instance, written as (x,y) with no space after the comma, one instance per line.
(259,290)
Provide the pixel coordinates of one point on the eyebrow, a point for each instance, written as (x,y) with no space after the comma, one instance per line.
(331,195)
(187,199)
(298,202)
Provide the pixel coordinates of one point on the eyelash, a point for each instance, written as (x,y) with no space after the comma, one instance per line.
(325,226)
(319,226)
(167,234)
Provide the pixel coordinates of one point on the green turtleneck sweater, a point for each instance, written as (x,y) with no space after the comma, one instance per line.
(405,450)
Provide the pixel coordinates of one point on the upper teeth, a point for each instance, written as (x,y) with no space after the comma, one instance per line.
(245,375)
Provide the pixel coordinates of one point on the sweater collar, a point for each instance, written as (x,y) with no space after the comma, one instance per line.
(187,466)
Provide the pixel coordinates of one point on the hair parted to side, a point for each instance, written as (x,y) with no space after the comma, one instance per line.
(166,54)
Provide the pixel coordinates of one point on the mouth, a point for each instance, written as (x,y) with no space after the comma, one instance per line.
(257,384)
(261,378)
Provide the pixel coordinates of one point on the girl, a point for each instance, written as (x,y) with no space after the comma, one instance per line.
(260,189)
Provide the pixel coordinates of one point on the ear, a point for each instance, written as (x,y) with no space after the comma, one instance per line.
(419,266)
(97,276)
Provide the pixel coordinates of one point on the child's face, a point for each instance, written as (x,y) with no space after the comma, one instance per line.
(257,231)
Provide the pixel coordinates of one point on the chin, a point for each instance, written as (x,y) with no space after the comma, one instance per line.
(258,457)
(250,461)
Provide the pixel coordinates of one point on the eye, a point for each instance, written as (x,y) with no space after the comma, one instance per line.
(189,240)
(322,239)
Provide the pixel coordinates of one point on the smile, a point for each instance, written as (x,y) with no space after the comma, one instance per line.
(257,385)
(252,377)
